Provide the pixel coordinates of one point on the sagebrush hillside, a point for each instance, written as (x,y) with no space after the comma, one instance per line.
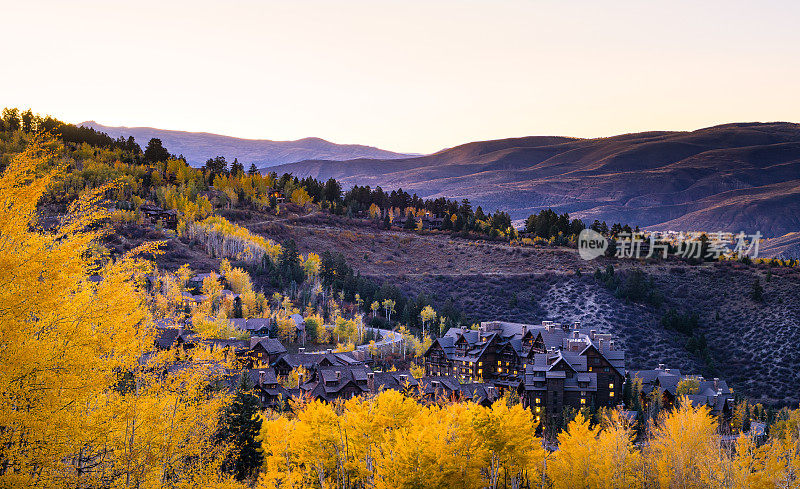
(751,344)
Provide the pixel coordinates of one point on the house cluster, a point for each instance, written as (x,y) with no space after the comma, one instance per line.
(551,365)
(279,376)
(713,393)
(253,326)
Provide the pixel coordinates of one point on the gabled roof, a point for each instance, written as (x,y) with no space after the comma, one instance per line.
(479,392)
(166,337)
(615,358)
(446,385)
(312,360)
(257,324)
(270,345)
(394,380)
(331,380)
(268,377)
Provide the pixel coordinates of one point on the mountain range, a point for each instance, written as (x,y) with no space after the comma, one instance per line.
(197,147)
(732,177)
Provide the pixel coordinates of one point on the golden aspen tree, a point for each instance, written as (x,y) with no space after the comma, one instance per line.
(618,464)
(280,468)
(311,264)
(510,450)
(572,465)
(287,329)
(684,446)
(83,401)
(63,336)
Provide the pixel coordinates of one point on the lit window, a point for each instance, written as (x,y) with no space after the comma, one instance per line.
(480,364)
(610,386)
(538,409)
(538,400)
(499,362)
(499,370)
(583,401)
(480,371)
(610,394)
(590,369)
(537,419)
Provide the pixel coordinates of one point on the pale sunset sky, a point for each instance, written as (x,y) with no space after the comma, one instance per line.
(409,76)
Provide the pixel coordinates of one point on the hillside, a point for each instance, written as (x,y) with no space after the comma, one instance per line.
(732,177)
(751,344)
(197,147)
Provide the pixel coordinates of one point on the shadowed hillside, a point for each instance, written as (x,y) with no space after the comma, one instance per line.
(731,177)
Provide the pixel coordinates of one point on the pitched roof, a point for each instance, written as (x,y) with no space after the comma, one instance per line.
(257,324)
(311,360)
(270,345)
(165,337)
(397,380)
(332,379)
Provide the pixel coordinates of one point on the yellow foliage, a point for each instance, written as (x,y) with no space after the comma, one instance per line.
(224,239)
(82,404)
(685,447)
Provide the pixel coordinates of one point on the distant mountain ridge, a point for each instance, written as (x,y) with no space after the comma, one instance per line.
(732,177)
(198,147)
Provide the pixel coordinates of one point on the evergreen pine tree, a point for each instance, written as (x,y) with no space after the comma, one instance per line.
(241,424)
(758,291)
(746,417)
(626,391)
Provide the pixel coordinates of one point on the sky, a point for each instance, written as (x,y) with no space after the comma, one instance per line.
(408,76)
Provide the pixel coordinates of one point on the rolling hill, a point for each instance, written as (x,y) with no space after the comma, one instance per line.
(197,147)
(732,177)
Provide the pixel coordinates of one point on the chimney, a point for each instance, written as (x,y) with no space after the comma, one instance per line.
(371,382)
(576,334)
(577,325)
(592,333)
(301,350)
(611,345)
(301,377)
(666,370)
(716,383)
(435,384)
(403,378)
(261,375)
(660,366)
(338,375)
(600,345)
(329,351)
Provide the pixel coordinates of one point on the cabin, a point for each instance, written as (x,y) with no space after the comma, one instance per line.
(167,218)
(265,351)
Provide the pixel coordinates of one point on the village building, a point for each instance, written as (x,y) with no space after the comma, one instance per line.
(714,393)
(551,366)
(265,351)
